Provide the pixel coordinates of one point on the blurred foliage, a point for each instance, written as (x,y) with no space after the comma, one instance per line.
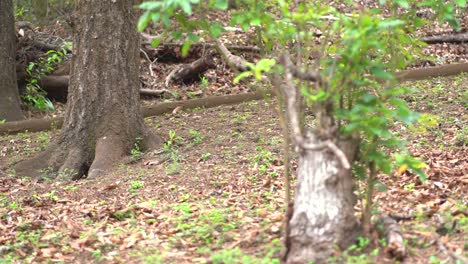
(44,11)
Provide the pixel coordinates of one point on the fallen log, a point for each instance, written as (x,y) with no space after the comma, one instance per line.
(56,87)
(450,38)
(427,73)
(36,125)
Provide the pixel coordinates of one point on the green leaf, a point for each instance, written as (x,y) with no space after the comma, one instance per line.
(461,3)
(150,5)
(216,29)
(403,3)
(144,20)
(186,7)
(155,42)
(242,76)
(221,4)
(185,48)
(391,23)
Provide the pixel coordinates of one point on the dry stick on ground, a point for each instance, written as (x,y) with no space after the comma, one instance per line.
(35,125)
(236,63)
(450,38)
(388,228)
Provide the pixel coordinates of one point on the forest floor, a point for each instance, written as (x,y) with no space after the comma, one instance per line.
(215,192)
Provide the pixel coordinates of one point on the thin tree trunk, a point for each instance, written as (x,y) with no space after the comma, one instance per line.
(10,109)
(103,118)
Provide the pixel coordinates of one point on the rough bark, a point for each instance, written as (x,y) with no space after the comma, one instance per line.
(103,118)
(10,109)
(323,213)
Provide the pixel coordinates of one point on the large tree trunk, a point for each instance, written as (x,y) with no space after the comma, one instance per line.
(103,119)
(10,109)
(323,213)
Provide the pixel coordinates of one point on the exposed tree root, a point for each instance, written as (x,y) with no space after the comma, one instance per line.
(388,228)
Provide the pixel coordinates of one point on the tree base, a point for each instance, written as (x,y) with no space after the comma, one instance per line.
(71,161)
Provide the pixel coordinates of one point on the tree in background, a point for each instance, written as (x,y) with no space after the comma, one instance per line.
(103,121)
(10,109)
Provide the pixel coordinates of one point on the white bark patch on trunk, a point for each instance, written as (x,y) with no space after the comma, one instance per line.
(323,208)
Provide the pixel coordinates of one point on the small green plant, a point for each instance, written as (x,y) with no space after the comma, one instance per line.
(204,82)
(122,215)
(409,187)
(239,119)
(196,136)
(35,96)
(135,185)
(67,174)
(52,195)
(171,148)
(236,256)
(136,153)
(206,156)
(153,259)
(70,188)
(97,254)
(356,253)
(13,206)
(2,121)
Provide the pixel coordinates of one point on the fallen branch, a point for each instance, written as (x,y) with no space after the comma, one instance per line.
(450,38)
(36,125)
(236,63)
(190,72)
(154,92)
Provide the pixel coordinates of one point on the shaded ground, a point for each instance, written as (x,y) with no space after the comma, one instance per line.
(214,193)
